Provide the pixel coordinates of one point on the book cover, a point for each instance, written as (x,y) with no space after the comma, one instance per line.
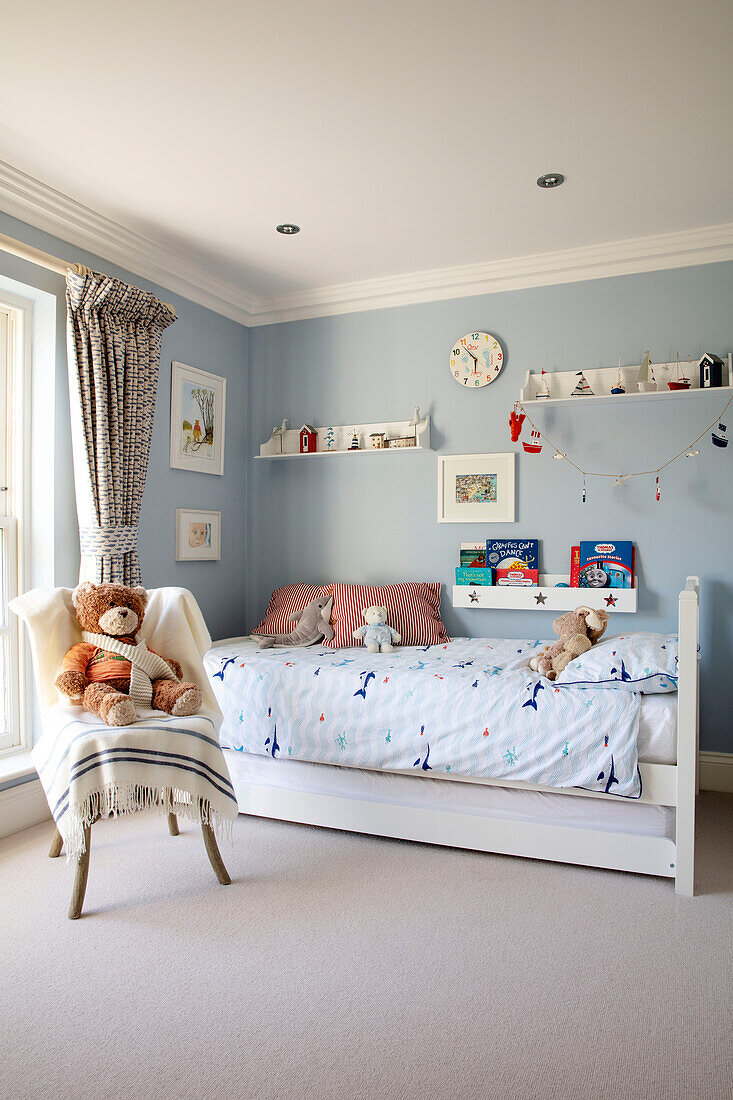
(519,577)
(505,553)
(474,576)
(575,566)
(606,565)
(472,558)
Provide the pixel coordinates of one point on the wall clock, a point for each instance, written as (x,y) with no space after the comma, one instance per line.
(476,359)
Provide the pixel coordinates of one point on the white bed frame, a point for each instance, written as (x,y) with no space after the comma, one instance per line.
(662,785)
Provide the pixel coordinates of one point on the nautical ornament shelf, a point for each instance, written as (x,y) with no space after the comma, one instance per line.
(407,436)
(544,596)
(562,383)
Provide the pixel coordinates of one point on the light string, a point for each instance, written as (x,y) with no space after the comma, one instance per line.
(635,473)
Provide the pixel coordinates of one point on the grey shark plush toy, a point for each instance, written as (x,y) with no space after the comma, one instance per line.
(313,626)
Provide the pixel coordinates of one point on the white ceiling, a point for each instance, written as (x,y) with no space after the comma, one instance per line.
(402,137)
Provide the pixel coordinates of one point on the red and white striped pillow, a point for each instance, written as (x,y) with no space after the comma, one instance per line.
(413,609)
(284,601)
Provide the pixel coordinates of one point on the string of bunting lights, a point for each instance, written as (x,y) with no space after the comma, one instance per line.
(518,416)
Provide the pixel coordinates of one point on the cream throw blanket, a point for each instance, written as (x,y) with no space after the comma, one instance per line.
(146,666)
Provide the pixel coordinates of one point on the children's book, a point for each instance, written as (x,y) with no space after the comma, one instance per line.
(474,576)
(606,565)
(508,553)
(473,555)
(575,567)
(522,578)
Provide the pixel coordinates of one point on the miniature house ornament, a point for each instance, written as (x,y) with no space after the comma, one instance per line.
(308,437)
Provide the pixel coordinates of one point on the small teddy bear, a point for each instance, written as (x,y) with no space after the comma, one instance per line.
(110,670)
(377,635)
(578,631)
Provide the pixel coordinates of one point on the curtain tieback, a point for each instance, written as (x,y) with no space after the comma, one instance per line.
(108,542)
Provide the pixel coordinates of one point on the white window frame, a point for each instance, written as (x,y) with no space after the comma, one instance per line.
(16,320)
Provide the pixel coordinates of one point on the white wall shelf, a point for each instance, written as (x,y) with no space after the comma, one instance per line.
(544,597)
(393,429)
(562,383)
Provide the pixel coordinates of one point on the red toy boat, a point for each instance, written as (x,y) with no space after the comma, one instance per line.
(535,446)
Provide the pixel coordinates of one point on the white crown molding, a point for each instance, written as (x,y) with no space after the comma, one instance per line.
(711,244)
(42,206)
(48,209)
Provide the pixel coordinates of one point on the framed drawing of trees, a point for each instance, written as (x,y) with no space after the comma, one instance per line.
(198,404)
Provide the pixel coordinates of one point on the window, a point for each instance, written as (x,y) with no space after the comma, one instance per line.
(13,337)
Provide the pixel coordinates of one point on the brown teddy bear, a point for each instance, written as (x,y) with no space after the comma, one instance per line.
(109,670)
(577,632)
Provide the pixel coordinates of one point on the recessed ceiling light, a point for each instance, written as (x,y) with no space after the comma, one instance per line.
(552,179)
(288,228)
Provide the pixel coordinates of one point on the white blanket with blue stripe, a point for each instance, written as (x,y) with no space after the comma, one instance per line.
(471,707)
(88,770)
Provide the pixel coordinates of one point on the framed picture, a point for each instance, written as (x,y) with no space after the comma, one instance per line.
(476,488)
(198,407)
(198,535)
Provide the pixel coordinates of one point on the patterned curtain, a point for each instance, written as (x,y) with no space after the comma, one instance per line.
(114,337)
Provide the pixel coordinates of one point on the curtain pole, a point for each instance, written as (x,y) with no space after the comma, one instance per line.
(43,259)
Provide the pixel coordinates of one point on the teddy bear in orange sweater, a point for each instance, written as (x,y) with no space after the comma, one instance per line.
(110,670)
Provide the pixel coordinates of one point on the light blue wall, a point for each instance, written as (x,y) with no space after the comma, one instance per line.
(200,338)
(374,519)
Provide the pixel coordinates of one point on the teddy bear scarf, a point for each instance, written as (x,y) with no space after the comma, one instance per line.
(146,666)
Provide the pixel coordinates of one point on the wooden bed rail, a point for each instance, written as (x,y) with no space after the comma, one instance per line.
(687,735)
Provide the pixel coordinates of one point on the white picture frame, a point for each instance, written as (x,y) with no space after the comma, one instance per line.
(198,535)
(476,478)
(198,412)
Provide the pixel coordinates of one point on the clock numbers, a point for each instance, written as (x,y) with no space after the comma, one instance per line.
(477,358)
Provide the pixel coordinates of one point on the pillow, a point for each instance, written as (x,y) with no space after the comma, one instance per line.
(641,662)
(413,609)
(284,601)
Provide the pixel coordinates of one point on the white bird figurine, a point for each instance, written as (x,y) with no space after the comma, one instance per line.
(418,426)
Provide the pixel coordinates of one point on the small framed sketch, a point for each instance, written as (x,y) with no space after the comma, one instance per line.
(476,488)
(198,535)
(198,407)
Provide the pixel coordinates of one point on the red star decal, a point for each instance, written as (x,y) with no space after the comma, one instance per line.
(610,601)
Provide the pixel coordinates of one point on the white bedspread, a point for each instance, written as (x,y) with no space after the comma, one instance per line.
(471,707)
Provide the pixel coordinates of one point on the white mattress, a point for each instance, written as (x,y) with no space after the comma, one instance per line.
(623,816)
(657,741)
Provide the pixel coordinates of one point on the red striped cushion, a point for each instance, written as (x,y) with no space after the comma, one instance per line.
(413,610)
(284,601)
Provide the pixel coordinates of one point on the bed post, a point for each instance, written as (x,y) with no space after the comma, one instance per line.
(687,733)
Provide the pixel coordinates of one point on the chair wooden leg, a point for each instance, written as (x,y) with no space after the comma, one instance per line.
(80,881)
(172,824)
(212,851)
(56,845)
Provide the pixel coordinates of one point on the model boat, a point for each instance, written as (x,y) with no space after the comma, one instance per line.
(619,387)
(679,382)
(544,393)
(646,382)
(719,438)
(535,446)
(582,389)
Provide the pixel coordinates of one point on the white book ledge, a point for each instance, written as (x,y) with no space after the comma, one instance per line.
(336,440)
(544,597)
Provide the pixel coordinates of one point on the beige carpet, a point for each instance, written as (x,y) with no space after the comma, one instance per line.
(338,965)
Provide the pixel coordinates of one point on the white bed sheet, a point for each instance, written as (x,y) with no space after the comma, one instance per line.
(607,815)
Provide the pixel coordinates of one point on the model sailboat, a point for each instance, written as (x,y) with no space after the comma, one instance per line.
(582,389)
(645,383)
(543,393)
(619,386)
(679,382)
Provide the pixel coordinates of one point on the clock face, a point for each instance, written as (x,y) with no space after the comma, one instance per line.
(476,359)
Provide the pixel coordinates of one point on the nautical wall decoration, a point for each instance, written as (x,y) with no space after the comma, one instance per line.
(582,389)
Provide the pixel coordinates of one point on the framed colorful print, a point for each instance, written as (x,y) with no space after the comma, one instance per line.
(198,407)
(476,488)
(198,535)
